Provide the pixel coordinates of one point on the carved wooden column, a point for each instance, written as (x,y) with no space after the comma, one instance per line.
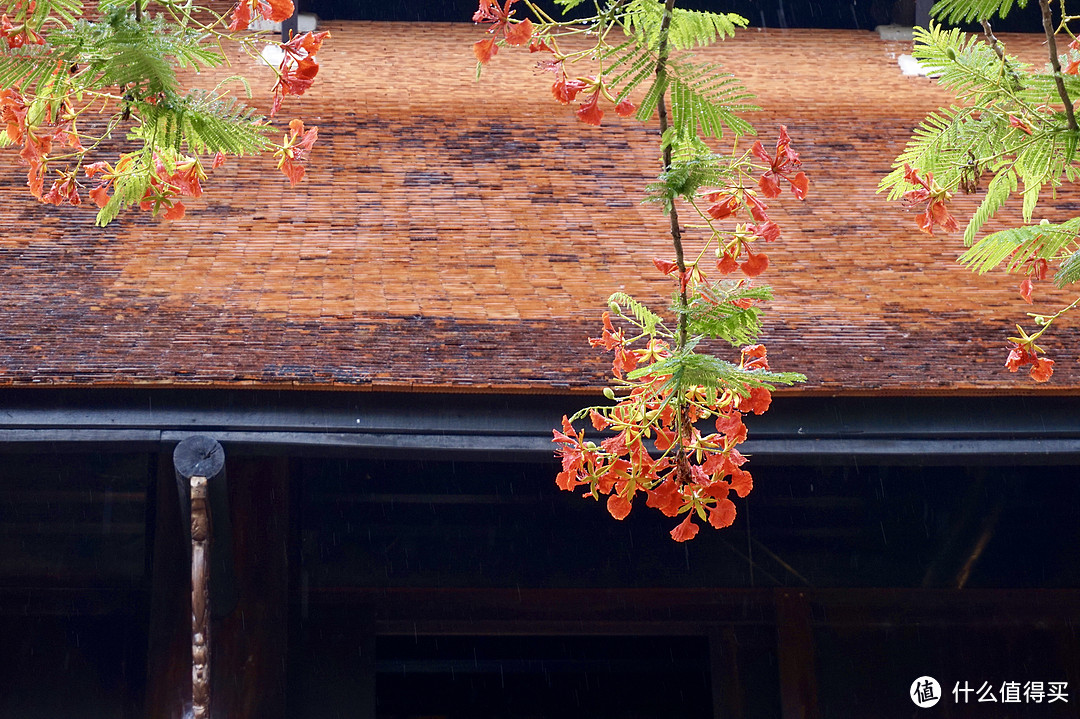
(200,479)
(223,654)
(200,599)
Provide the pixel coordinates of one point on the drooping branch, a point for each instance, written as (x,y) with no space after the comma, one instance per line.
(1051,46)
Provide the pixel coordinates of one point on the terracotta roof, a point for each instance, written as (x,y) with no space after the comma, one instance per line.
(455,235)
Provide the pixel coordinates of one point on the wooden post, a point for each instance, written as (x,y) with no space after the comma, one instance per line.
(795,647)
(199,463)
(200,599)
(922,12)
(291,26)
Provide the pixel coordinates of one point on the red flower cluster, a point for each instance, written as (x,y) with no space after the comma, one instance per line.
(298,68)
(728,202)
(694,472)
(272,10)
(566,90)
(517,33)
(1021,354)
(56,126)
(934,197)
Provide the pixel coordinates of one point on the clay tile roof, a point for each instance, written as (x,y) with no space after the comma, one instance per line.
(455,235)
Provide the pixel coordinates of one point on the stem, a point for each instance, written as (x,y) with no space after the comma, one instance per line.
(138,10)
(1051,46)
(676,233)
(999,50)
(682,418)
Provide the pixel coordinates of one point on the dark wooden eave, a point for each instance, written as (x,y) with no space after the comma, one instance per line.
(893,430)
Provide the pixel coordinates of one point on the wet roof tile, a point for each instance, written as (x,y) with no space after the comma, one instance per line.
(462,235)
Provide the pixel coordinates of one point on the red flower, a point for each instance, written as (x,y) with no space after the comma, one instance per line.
(625,108)
(63,189)
(485,49)
(519,33)
(723,514)
(758,402)
(298,68)
(724,205)
(934,196)
(754,357)
(686,530)
(499,19)
(618,506)
(18,35)
(1025,290)
(1019,124)
(1025,354)
(590,112)
(1041,369)
(768,231)
(665,497)
(665,266)
(741,481)
(272,10)
(611,337)
(566,90)
(782,165)
(755,264)
(294,150)
(757,208)
(727,264)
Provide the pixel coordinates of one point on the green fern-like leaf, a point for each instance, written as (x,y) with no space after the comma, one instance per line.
(704,97)
(627,66)
(962,11)
(43,11)
(940,144)
(1069,271)
(130,186)
(1018,245)
(202,125)
(688,28)
(646,318)
(689,370)
(969,67)
(140,56)
(692,168)
(30,67)
(998,191)
(713,312)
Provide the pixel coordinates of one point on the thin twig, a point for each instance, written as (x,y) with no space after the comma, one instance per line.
(1051,44)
